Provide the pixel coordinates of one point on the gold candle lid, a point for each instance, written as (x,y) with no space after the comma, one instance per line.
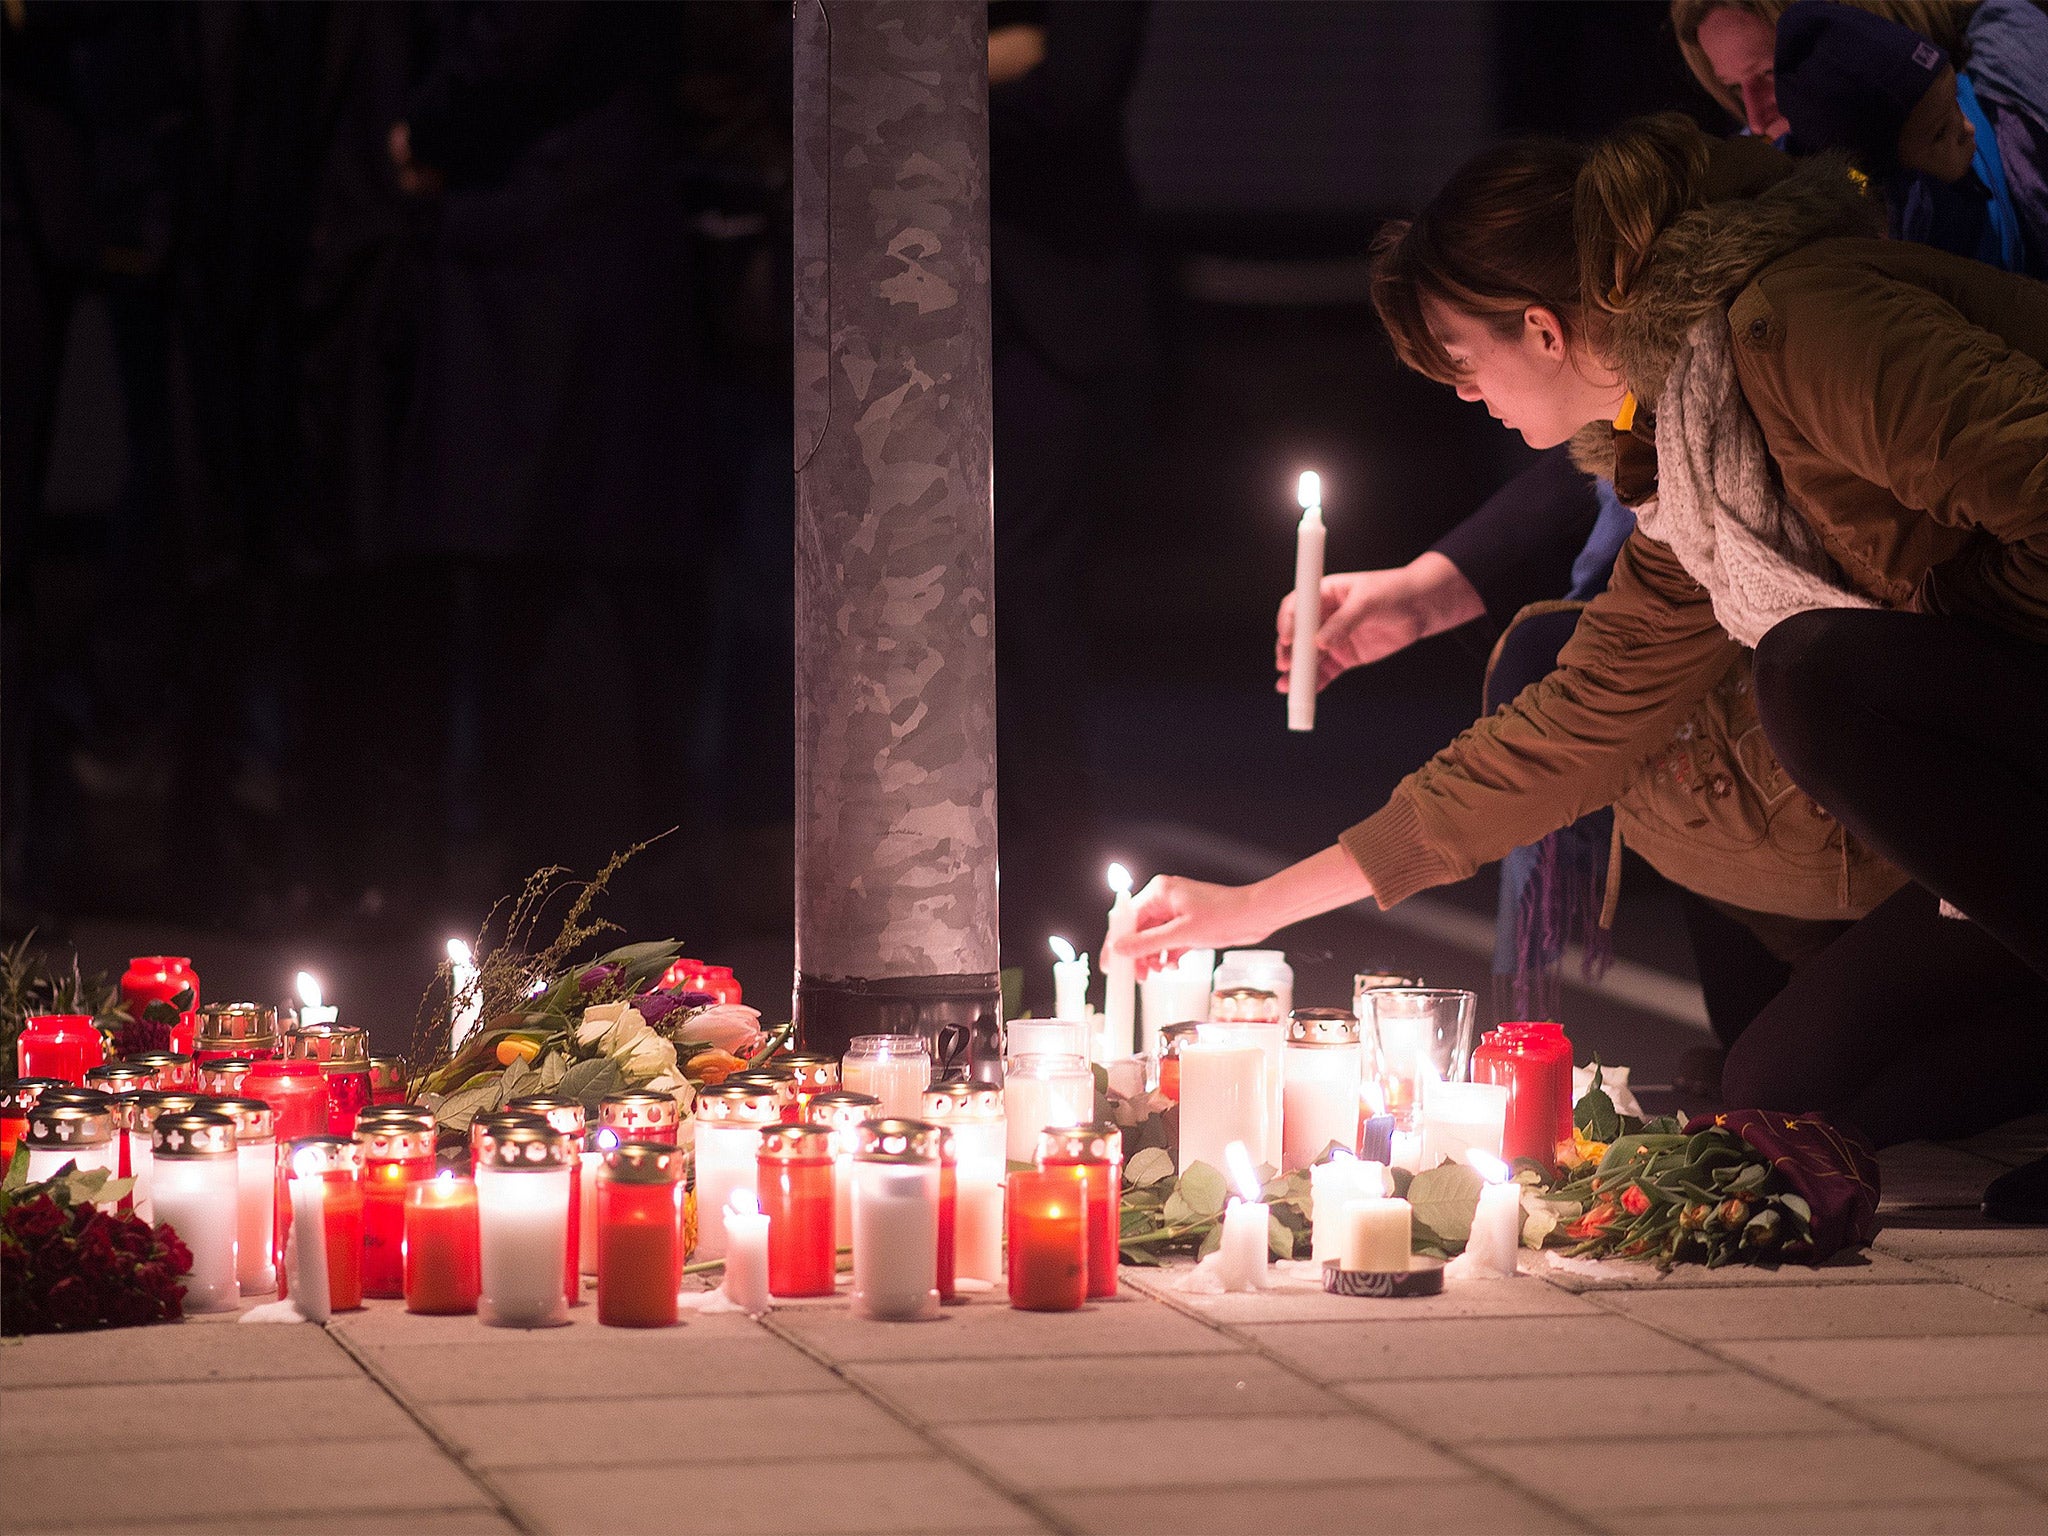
(388,1074)
(1173,1036)
(1101,1141)
(563,1113)
(168,1069)
(337,1047)
(525,1145)
(313,1156)
(254,1119)
(841,1107)
(72,1093)
(75,1125)
(639,1109)
(143,1108)
(1245,1005)
(958,1101)
(18,1095)
(121,1077)
(395,1138)
(1314,1027)
(813,1073)
(902,1141)
(192,1133)
(644,1162)
(1373,981)
(237,1024)
(781,1084)
(797,1143)
(731,1103)
(416,1115)
(223,1074)
(490,1117)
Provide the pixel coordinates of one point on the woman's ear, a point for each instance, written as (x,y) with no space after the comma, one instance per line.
(1544,331)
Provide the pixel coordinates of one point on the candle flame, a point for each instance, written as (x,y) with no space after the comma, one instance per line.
(445,1180)
(306,1164)
(1375,1095)
(1242,1173)
(744,1202)
(1309,489)
(1489,1167)
(458,953)
(1062,951)
(309,989)
(606,1139)
(1119,879)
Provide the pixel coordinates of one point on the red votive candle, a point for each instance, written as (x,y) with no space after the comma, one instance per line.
(337,1162)
(397,1146)
(566,1115)
(794,1182)
(159,979)
(1096,1154)
(17,1098)
(1047,1215)
(296,1091)
(389,1079)
(813,1074)
(247,1030)
(61,1045)
(343,1052)
(1170,1040)
(442,1273)
(949,1218)
(1531,1061)
(639,1235)
(640,1115)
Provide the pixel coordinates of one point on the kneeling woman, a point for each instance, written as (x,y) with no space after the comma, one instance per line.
(1838,448)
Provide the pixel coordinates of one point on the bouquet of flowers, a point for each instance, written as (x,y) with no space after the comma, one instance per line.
(67,1264)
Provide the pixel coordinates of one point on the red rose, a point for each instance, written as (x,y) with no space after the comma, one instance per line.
(34,1220)
(1634,1201)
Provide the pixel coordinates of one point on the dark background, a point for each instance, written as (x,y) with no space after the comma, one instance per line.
(259,633)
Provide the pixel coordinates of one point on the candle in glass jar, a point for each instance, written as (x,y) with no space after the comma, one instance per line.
(1096,1151)
(813,1074)
(522,1198)
(1047,1212)
(1333,1186)
(1039,1091)
(247,1030)
(794,1181)
(17,1098)
(894,1068)
(297,1090)
(640,1115)
(639,1234)
(1459,1116)
(397,1144)
(896,1221)
(193,1193)
(76,1129)
(170,1071)
(566,1115)
(159,979)
(221,1076)
(255,1190)
(442,1274)
(842,1112)
(1222,1095)
(389,1079)
(1320,1068)
(978,1220)
(335,1163)
(60,1045)
(302,1273)
(972,1115)
(138,1114)
(730,1119)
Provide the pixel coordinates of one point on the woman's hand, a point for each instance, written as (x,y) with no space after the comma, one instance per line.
(1172,915)
(1369,615)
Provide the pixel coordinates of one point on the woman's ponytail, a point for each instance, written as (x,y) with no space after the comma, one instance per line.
(1634,183)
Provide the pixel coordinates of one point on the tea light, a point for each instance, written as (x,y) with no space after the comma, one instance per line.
(566,1115)
(1048,1240)
(1378,1236)
(894,1068)
(730,1119)
(1242,1255)
(333,1247)
(1333,1186)
(746,1253)
(896,1221)
(794,1182)
(442,1268)
(193,1193)
(397,1144)
(1459,1116)
(255,1191)
(842,1112)
(1497,1224)
(1096,1150)
(1222,1095)
(522,1196)
(1321,1066)
(639,1237)
(1039,1091)
(1069,981)
(1118,1035)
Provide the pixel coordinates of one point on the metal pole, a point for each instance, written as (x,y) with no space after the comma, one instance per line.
(895,564)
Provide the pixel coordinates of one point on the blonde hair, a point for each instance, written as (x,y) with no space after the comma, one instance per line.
(1942,21)
(1634,183)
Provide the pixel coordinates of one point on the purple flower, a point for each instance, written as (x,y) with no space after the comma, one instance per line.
(656,1006)
(595,977)
(696,999)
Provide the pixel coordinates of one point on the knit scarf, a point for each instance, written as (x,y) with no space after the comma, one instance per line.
(1718,507)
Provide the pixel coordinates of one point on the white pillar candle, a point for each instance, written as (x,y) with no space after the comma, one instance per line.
(1222,1096)
(139,1170)
(1241,1257)
(305,1250)
(465,997)
(1271,1039)
(1457,1117)
(895,1240)
(1496,1229)
(312,1010)
(1332,1187)
(1118,1036)
(195,1196)
(1308,604)
(48,1162)
(256,1208)
(522,1231)
(978,1216)
(728,1159)
(1069,981)
(894,1068)
(746,1253)
(1197,969)
(1408,1150)
(1378,1236)
(1159,1001)
(1319,1101)
(1039,1091)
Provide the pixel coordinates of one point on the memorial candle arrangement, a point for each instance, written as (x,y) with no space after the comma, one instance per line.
(1304,659)
(255,1190)
(730,1119)
(342,1053)
(64,1046)
(1321,1068)
(1244,1251)
(1048,1222)
(566,1115)
(194,1194)
(247,1030)
(1096,1153)
(442,1267)
(522,1199)
(1117,1035)
(323,1185)
(1039,1091)
(972,1113)
(894,1068)
(842,1112)
(1223,1095)
(397,1146)
(896,1221)
(639,1216)
(794,1182)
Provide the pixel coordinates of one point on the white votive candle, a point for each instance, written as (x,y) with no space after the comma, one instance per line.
(895,1240)
(1241,1257)
(196,1198)
(1320,1069)
(978,1219)
(1457,1117)
(256,1212)
(1332,1187)
(728,1159)
(1378,1236)
(746,1253)
(1496,1237)
(1039,1091)
(1222,1096)
(522,1207)
(305,1250)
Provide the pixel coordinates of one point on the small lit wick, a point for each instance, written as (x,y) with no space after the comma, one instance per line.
(1062,951)
(1489,1167)
(1242,1173)
(1309,490)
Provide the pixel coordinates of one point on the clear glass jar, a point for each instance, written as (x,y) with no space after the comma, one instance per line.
(1041,1091)
(894,1068)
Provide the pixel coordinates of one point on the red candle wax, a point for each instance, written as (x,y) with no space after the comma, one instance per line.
(385,1186)
(185,1034)
(639,1253)
(949,1224)
(1102,1189)
(1048,1240)
(442,1270)
(12,1129)
(342,1208)
(1530,1061)
(296,1091)
(796,1197)
(348,1095)
(159,979)
(59,1045)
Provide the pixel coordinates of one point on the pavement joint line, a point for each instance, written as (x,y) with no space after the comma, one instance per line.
(499,1500)
(952,1454)
(1847,1407)
(1450,1449)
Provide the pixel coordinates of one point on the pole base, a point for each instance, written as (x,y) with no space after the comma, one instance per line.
(960,1016)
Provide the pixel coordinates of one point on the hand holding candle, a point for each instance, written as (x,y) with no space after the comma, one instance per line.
(1308,604)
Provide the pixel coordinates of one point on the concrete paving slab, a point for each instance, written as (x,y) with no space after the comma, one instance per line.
(188,1351)
(1317,1509)
(1121,1453)
(1843,1269)
(965,1391)
(1926,1174)
(34,1420)
(880,1495)
(1557,1407)
(354,1522)
(1995,1427)
(664,1362)
(1945,1234)
(1523,1297)
(73,1490)
(2021,1280)
(1847,1369)
(1474,1347)
(680,1432)
(1131,1325)
(1944,1519)
(1828,1312)
(1801,1470)
(2033,1473)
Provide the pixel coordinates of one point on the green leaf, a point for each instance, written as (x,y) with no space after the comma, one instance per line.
(17,1170)
(1148,1167)
(1204,1190)
(644,953)
(1444,1198)
(1402,1179)
(1595,1114)
(1212,1242)
(86,1185)
(592,1080)
(1279,1237)
(552,1067)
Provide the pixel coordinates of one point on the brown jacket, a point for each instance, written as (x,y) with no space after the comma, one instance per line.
(1903,395)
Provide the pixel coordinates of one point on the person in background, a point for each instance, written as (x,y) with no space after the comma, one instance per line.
(1961,172)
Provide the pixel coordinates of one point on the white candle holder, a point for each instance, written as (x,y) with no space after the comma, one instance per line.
(730,1119)
(522,1199)
(896,1221)
(894,1068)
(195,1196)
(1321,1066)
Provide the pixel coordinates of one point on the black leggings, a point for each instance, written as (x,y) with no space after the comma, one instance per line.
(1927,738)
